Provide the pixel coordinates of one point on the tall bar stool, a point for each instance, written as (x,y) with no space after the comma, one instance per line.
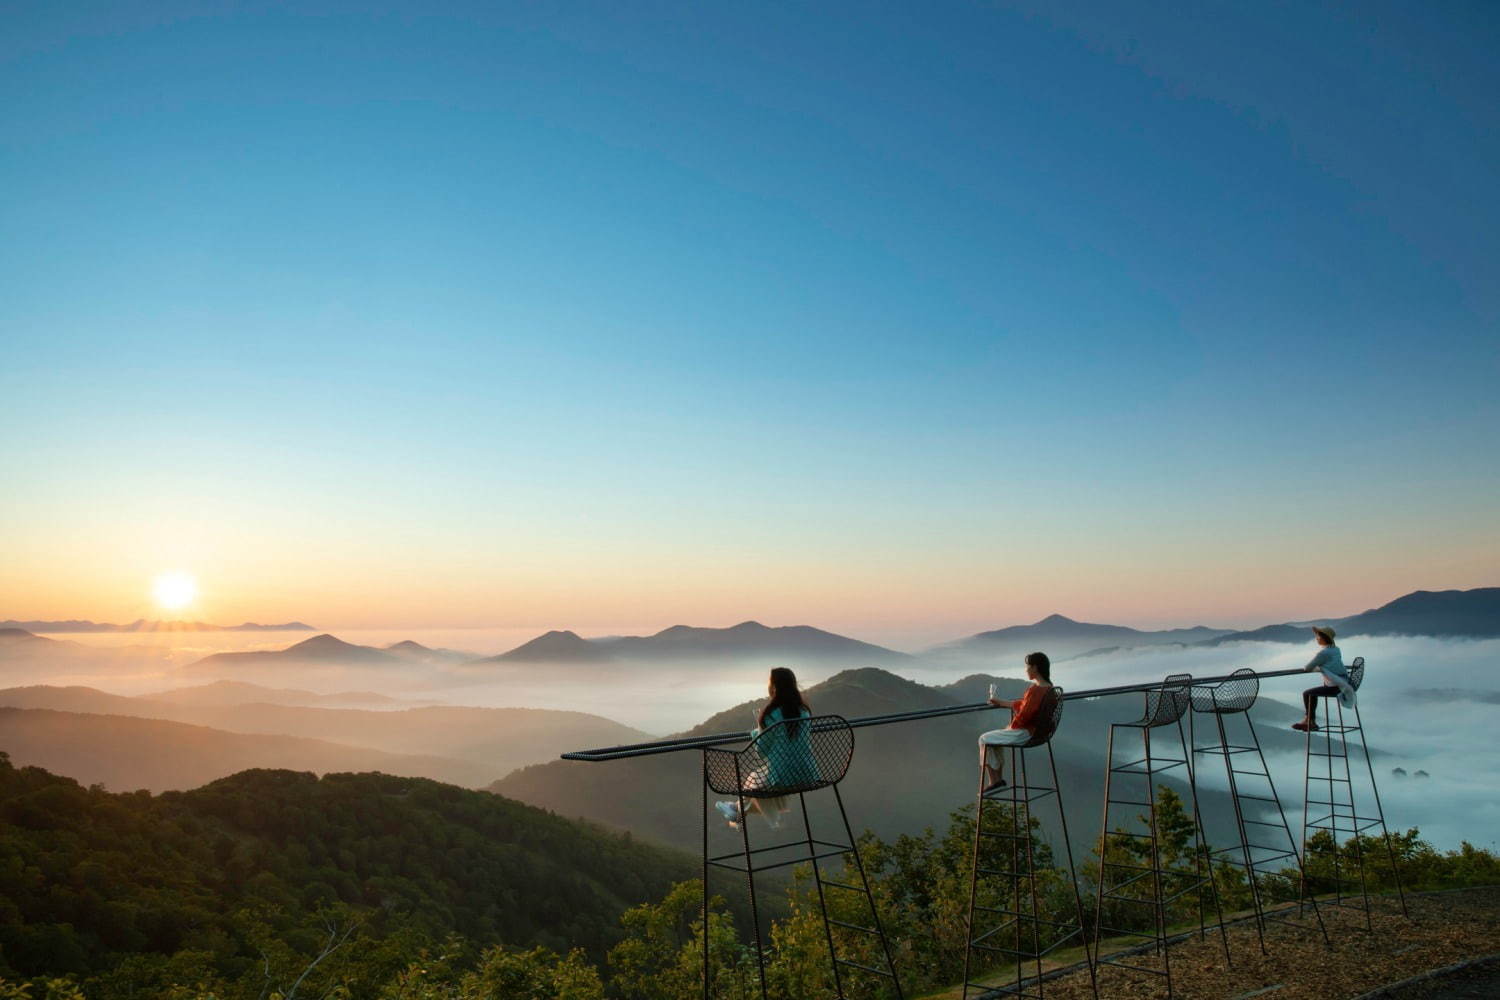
(1031,936)
(791,757)
(1245,764)
(1342,818)
(1120,881)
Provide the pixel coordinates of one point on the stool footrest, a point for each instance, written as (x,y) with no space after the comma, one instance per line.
(865,968)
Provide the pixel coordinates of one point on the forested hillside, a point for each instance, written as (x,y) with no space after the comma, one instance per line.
(89,878)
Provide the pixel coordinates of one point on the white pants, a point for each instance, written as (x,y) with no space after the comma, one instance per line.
(1005,738)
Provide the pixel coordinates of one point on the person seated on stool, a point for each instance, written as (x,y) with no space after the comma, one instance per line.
(1335,680)
(1024,713)
(786,747)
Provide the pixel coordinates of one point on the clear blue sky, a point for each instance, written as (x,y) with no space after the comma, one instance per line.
(899,315)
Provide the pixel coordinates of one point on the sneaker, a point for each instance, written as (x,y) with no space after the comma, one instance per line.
(730,811)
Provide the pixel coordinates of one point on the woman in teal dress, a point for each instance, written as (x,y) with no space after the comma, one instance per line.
(782,736)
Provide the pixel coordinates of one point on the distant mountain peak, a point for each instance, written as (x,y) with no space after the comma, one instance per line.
(323,642)
(558,645)
(1056,619)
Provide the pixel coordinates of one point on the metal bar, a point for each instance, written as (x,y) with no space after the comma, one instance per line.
(721,739)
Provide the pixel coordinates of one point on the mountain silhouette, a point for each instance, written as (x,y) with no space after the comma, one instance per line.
(1061,637)
(746,641)
(1457,614)
(554,647)
(418,653)
(749,640)
(320,649)
(1467,613)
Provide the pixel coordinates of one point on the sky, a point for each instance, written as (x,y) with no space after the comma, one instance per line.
(901,320)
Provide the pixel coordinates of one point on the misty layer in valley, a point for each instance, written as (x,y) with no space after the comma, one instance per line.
(175,714)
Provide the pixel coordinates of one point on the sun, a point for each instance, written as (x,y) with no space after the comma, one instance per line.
(175,590)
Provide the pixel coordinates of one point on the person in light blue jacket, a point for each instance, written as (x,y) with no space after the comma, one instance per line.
(783,736)
(1330,662)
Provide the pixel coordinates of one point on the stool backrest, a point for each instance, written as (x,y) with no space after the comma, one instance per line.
(1236,694)
(1357,672)
(794,755)
(1048,718)
(1166,704)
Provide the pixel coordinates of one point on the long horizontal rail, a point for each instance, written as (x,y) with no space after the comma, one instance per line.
(721,739)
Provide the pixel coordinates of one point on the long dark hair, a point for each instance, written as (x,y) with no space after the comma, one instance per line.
(785,696)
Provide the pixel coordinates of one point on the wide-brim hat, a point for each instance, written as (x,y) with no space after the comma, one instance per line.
(1326,631)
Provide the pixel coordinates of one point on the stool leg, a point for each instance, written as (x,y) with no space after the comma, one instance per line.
(1359,847)
(1161,905)
(1380,812)
(1062,815)
(859,866)
(1109,771)
(707,984)
(812,850)
(1202,861)
(974,873)
(760,951)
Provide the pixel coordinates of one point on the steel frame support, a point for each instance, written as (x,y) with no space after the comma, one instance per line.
(1021,794)
(1199,879)
(1338,822)
(744,861)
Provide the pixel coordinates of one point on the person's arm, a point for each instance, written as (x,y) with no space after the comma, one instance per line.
(1002,703)
(1316,661)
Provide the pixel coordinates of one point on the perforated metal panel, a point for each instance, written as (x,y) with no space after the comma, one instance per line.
(1236,694)
(1166,704)
(1357,672)
(796,755)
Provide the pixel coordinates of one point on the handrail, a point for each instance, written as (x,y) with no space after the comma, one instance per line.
(719,739)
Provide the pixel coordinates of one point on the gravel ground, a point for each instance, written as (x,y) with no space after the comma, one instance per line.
(1445,928)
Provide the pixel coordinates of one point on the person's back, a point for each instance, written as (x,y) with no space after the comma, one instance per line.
(786,743)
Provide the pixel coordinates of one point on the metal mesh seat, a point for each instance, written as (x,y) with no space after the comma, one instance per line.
(1237,694)
(791,756)
(1166,704)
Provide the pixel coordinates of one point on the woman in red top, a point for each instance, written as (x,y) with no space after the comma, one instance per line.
(1025,712)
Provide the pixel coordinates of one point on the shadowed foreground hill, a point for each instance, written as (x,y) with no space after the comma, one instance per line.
(126,753)
(87,876)
(493,741)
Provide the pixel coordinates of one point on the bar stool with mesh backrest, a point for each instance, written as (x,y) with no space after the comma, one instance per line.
(791,757)
(1017,909)
(1266,845)
(1153,885)
(1326,863)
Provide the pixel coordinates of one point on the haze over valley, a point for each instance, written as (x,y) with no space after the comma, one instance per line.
(178,712)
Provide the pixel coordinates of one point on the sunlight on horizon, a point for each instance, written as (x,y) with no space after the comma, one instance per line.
(174,590)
